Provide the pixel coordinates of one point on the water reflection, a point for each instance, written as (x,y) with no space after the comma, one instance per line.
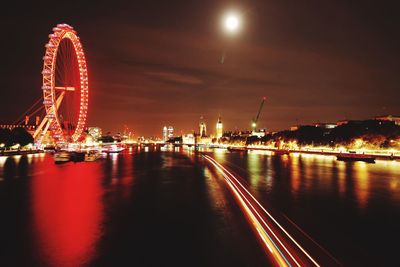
(9,168)
(295,173)
(361,183)
(66,202)
(253,163)
(334,202)
(316,175)
(67,212)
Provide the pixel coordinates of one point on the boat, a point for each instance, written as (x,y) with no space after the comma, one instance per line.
(50,149)
(281,152)
(92,155)
(355,157)
(61,157)
(237,149)
(77,156)
(114,149)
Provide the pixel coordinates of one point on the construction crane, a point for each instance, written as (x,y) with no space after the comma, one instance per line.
(255,120)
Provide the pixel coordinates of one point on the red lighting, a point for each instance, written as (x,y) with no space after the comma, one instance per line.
(50,68)
(67,212)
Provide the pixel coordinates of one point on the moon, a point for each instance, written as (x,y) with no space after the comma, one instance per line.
(232,23)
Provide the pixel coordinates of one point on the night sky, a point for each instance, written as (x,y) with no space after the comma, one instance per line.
(156,63)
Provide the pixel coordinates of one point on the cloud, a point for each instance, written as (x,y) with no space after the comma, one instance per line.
(166,74)
(176,77)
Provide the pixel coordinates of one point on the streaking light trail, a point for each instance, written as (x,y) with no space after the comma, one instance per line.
(280,245)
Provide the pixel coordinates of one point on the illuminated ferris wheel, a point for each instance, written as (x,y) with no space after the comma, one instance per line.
(65,86)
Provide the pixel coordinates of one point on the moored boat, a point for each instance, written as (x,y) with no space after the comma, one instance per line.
(92,155)
(281,152)
(237,149)
(114,149)
(355,157)
(61,157)
(77,156)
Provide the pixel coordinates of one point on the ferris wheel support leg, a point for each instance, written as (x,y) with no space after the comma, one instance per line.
(45,130)
(39,128)
(46,120)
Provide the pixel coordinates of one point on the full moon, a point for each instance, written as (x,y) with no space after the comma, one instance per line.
(232,23)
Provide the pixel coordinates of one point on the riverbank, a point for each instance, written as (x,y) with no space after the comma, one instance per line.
(20,152)
(379,156)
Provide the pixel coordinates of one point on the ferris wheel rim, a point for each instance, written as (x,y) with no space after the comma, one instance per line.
(61,32)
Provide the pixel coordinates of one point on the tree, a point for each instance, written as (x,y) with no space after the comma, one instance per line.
(21,136)
(106,139)
(5,137)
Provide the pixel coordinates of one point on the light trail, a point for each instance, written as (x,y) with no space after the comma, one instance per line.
(283,248)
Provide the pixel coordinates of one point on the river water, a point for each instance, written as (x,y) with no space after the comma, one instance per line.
(169,208)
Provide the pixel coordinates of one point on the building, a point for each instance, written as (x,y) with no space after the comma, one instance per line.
(294,127)
(202,128)
(165,133)
(95,132)
(395,119)
(260,133)
(325,125)
(188,139)
(28,127)
(219,128)
(168,132)
(343,122)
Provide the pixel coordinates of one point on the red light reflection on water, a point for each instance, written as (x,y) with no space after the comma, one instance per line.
(67,212)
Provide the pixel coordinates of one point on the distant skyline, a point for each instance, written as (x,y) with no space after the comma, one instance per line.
(158,63)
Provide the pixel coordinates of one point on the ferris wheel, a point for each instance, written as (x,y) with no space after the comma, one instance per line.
(65,86)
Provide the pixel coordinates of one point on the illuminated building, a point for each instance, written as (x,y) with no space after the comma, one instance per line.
(188,139)
(165,133)
(219,129)
(325,125)
(170,132)
(95,132)
(202,128)
(343,122)
(117,137)
(396,119)
(260,133)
